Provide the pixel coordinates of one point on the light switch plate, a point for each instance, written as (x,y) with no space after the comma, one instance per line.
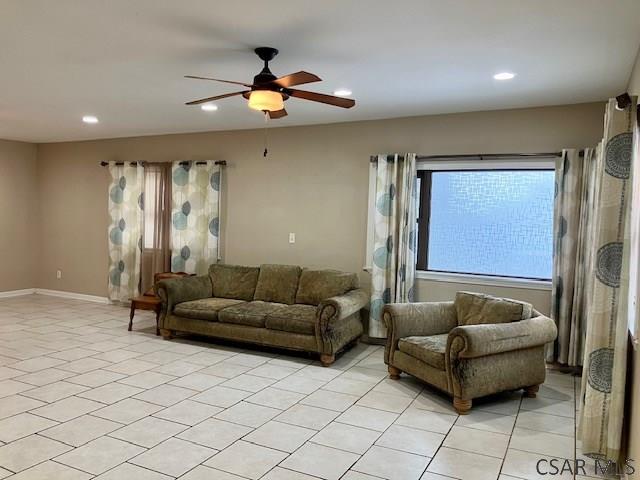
(292,238)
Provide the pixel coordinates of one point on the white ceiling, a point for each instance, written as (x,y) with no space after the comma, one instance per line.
(123,60)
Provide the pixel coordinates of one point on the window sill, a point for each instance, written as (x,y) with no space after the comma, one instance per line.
(479,280)
(484,280)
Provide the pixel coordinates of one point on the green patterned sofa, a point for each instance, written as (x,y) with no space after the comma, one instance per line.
(475,346)
(272,305)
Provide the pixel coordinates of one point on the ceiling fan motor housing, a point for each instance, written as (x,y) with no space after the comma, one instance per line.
(264,79)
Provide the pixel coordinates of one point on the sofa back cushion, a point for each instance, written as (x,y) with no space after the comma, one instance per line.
(234,281)
(318,285)
(277,283)
(477,308)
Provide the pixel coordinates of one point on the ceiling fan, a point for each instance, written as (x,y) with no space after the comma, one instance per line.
(268,93)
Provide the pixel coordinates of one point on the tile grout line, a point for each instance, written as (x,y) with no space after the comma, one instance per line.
(515,422)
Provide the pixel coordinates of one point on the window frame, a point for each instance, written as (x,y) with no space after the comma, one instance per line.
(425,169)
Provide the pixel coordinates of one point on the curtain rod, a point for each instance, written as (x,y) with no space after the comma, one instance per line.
(218,162)
(484,156)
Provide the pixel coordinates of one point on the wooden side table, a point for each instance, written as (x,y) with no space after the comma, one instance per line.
(145,302)
(150,301)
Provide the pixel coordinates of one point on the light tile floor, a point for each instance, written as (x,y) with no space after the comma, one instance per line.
(80,398)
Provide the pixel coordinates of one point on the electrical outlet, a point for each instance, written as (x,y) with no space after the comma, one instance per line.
(58,274)
(292,238)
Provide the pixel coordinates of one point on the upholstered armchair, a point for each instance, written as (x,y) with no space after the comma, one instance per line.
(474,346)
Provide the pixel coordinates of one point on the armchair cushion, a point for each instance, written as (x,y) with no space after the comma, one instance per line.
(234,281)
(204,308)
(294,319)
(430,350)
(318,285)
(277,283)
(251,314)
(477,308)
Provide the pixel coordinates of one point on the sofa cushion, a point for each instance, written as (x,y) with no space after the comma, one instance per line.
(430,350)
(252,314)
(277,283)
(234,281)
(205,308)
(477,308)
(318,285)
(293,318)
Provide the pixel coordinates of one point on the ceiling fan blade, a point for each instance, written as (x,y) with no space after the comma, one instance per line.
(217,97)
(322,98)
(219,80)
(297,78)
(277,114)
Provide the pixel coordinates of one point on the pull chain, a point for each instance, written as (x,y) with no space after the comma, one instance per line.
(266,122)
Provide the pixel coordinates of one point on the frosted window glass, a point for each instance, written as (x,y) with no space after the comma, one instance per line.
(492,223)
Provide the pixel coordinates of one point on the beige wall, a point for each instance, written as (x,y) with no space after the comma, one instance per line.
(634,383)
(313,183)
(19,238)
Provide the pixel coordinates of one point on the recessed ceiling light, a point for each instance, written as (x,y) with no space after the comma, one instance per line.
(504,76)
(209,107)
(90,119)
(342,92)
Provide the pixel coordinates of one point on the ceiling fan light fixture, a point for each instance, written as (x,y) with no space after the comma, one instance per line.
(266,100)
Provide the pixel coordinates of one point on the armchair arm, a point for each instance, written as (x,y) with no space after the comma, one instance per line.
(177,290)
(426,318)
(471,341)
(409,319)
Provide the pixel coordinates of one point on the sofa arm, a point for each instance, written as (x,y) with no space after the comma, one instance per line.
(333,319)
(341,306)
(177,290)
(471,341)
(409,319)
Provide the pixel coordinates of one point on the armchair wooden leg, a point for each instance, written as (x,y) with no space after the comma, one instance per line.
(394,373)
(326,360)
(462,406)
(530,392)
(166,334)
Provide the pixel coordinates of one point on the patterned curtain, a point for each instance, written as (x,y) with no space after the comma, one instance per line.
(195,220)
(394,243)
(126,204)
(605,359)
(573,214)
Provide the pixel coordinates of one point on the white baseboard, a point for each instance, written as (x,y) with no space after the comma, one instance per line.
(54,293)
(75,296)
(17,293)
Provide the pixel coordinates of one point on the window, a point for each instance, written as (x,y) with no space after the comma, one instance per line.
(493,222)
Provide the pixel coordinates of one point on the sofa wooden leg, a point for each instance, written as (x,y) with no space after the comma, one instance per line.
(462,406)
(530,392)
(166,334)
(394,372)
(326,359)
